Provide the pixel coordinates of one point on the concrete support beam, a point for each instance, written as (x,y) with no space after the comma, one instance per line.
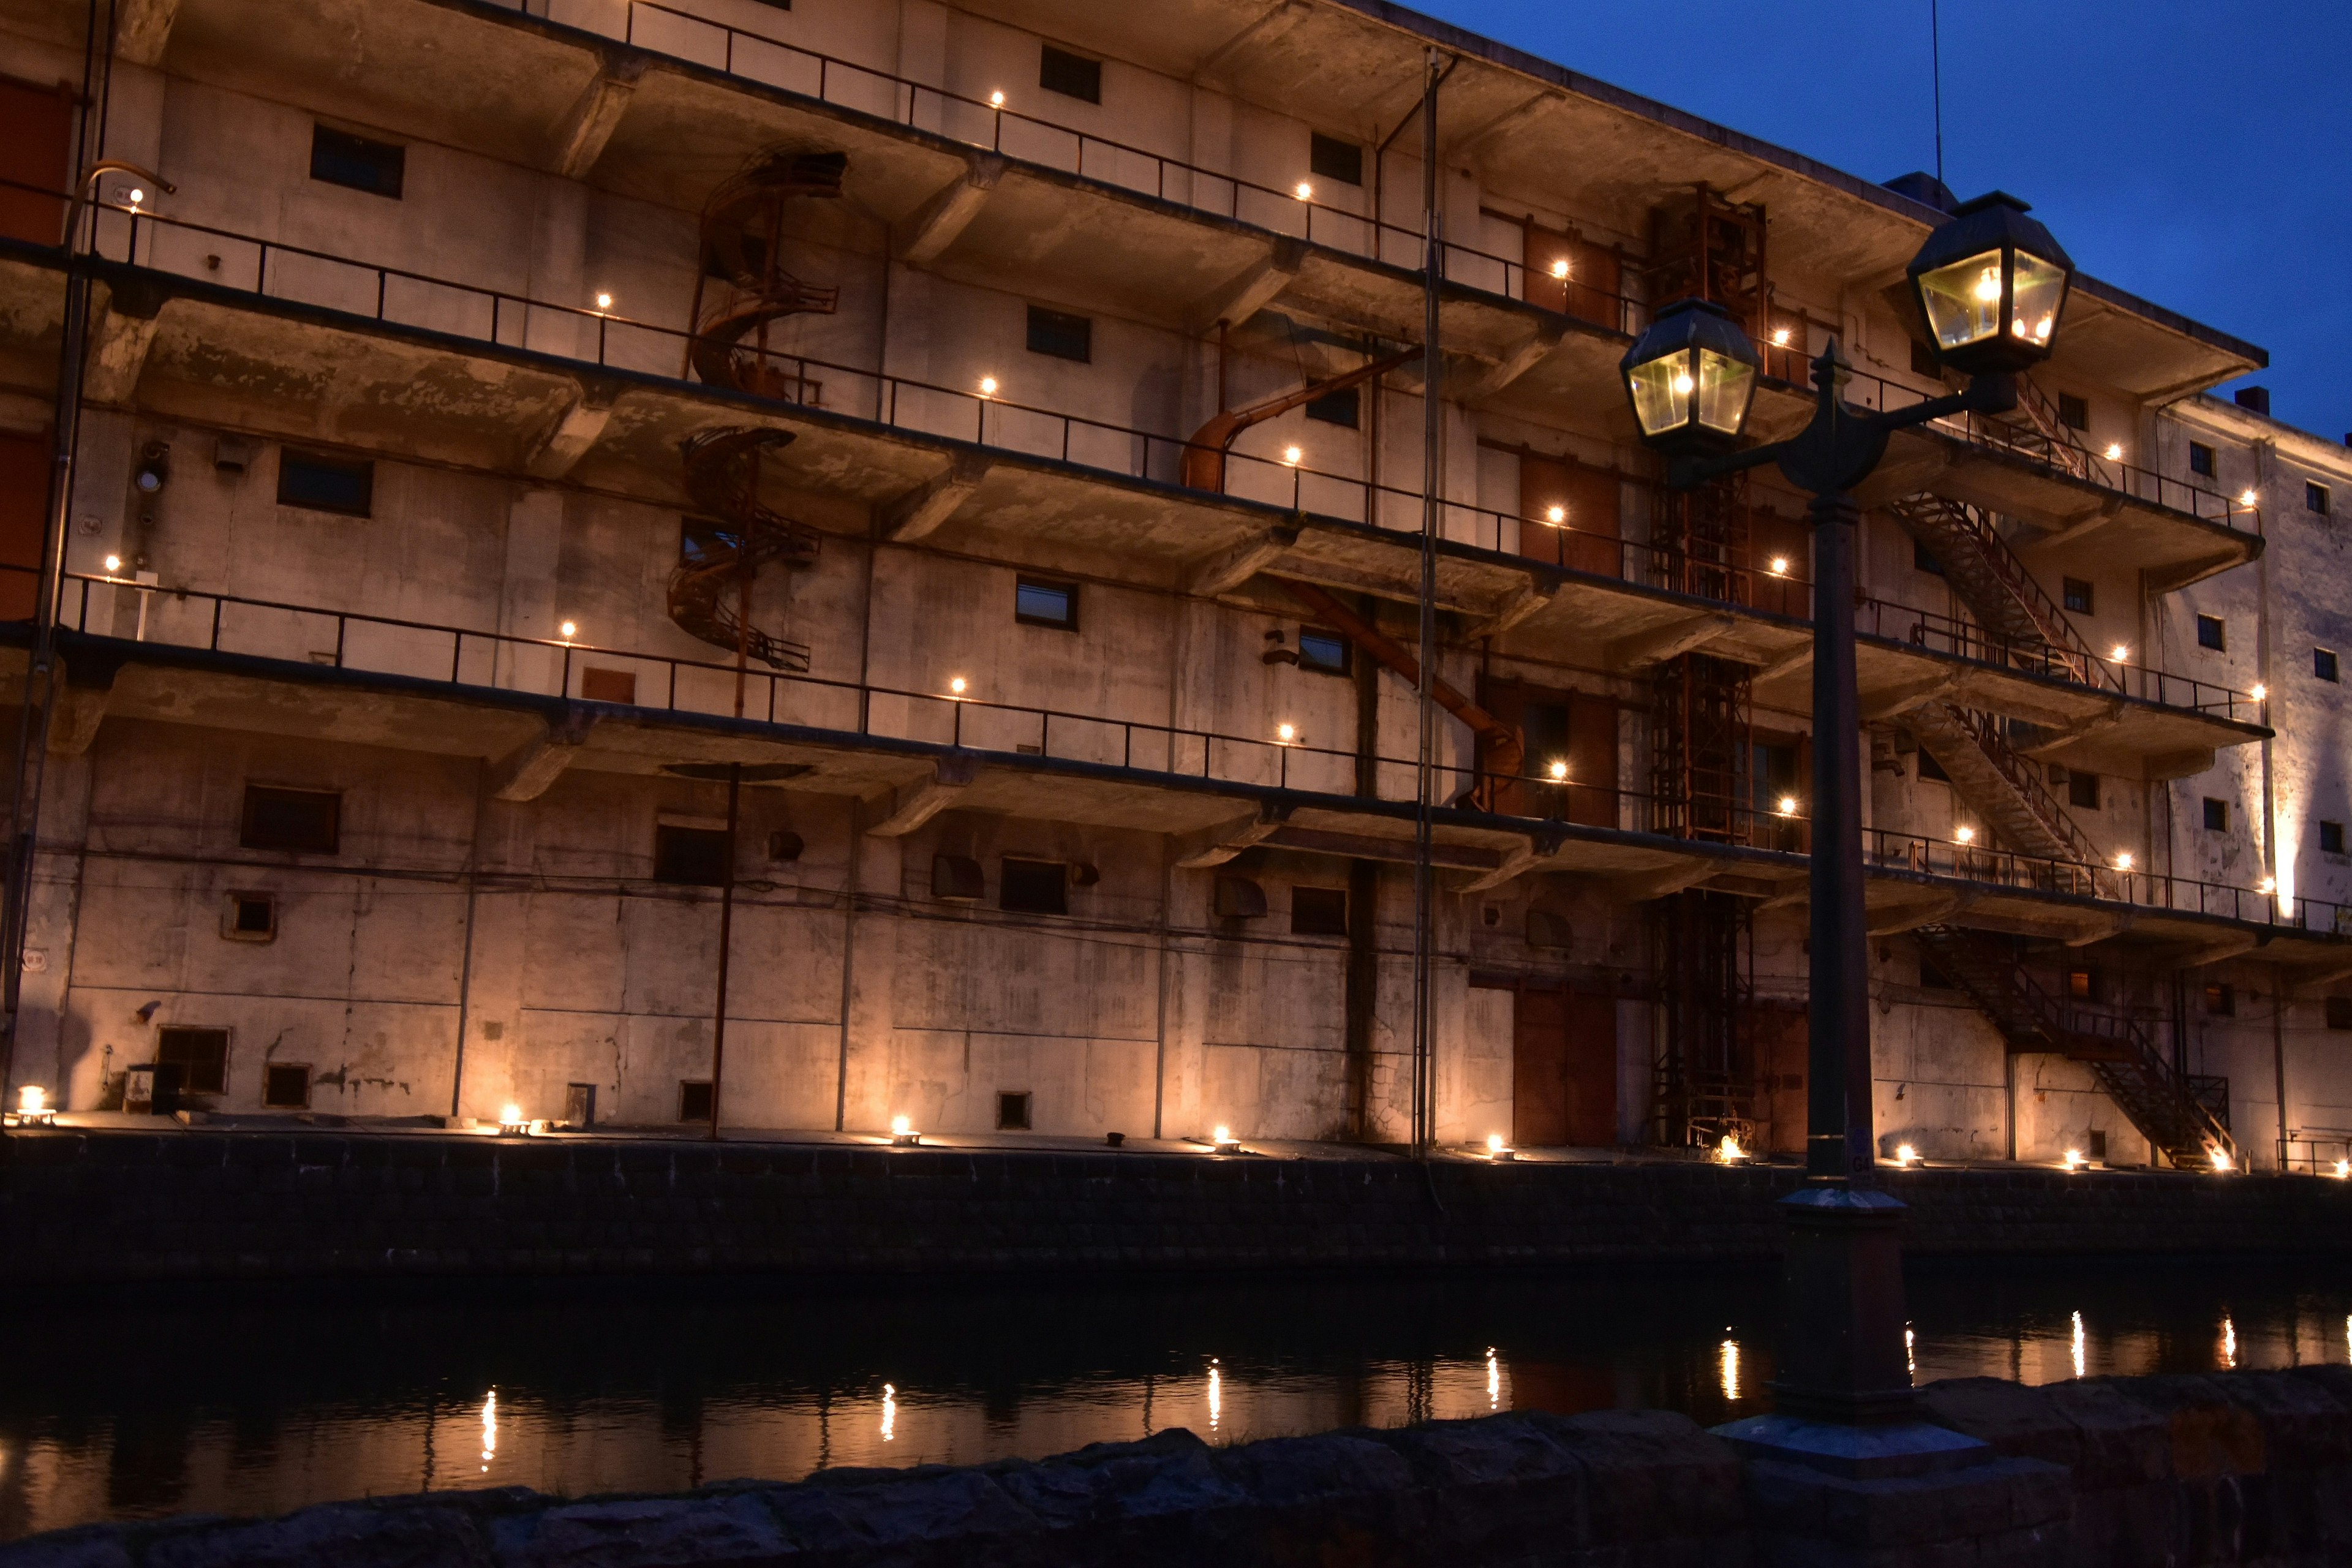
(1371,846)
(1910,915)
(560,447)
(1251,290)
(2172,578)
(912,808)
(587,127)
(933,226)
(1215,846)
(1257,34)
(921,511)
(2222,945)
(1229,569)
(1518,607)
(1669,641)
(1790,663)
(80,708)
(2084,729)
(1641,886)
(1517,360)
(1468,145)
(527,772)
(122,331)
(1893,701)
(2075,531)
(2091,928)
(1516,864)
(142,29)
(2170,765)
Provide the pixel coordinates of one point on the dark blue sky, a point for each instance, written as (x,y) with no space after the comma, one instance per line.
(2198,152)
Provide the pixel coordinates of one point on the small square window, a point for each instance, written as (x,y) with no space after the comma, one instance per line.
(694,1099)
(1931,770)
(250,917)
(2079,597)
(2339,1012)
(608,685)
(2222,1000)
(286,1085)
(2200,460)
(2331,839)
(1328,652)
(2323,663)
(1061,334)
(1923,562)
(340,158)
(2083,984)
(1011,1111)
(1319,911)
(2314,497)
(2082,789)
(1328,158)
(2216,815)
(690,856)
(1037,603)
(1072,76)
(197,1058)
(1034,886)
(309,820)
(316,482)
(2074,413)
(2212,633)
(1344,407)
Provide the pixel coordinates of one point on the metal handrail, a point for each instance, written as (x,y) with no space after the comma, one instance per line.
(1963,638)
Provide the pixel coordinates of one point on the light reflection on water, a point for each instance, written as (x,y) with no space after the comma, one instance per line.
(250,1407)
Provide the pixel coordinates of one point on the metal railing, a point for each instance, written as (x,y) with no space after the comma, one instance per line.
(1963,638)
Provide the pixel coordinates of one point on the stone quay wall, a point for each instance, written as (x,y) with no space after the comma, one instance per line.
(112,1206)
(2239,1467)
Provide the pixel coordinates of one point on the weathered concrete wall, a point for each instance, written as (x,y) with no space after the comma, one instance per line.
(2239,1467)
(186,1205)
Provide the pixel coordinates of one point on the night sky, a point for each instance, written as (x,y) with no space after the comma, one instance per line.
(2197,153)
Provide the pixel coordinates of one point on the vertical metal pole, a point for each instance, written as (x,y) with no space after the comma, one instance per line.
(1840,1117)
(743,568)
(1433,453)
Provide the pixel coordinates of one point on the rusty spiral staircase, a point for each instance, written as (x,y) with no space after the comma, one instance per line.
(739,534)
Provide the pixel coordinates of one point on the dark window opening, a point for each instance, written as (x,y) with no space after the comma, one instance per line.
(252,916)
(2078,595)
(1061,334)
(2098,1142)
(2212,633)
(286,1085)
(340,158)
(957,879)
(784,845)
(2222,1000)
(1319,911)
(2074,413)
(2339,1012)
(1929,768)
(316,482)
(1034,886)
(1011,1111)
(1344,407)
(2331,839)
(2323,663)
(2082,789)
(309,820)
(1932,978)
(1326,651)
(693,1100)
(1923,562)
(702,540)
(1328,158)
(1072,76)
(1041,604)
(2314,497)
(690,856)
(2086,984)
(2216,815)
(2200,460)
(197,1059)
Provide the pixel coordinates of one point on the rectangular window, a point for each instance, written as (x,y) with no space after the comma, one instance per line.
(1034,886)
(2078,595)
(1923,562)
(340,158)
(2323,663)
(1011,1111)
(197,1058)
(2339,1012)
(2331,839)
(1344,407)
(693,1099)
(1328,158)
(309,820)
(2086,984)
(250,917)
(608,685)
(2210,633)
(690,856)
(1326,651)
(2222,1000)
(2200,460)
(2098,1142)
(2216,815)
(1319,911)
(2074,413)
(2082,789)
(1038,602)
(1072,76)
(1929,768)
(1061,334)
(2314,497)
(319,483)
(286,1085)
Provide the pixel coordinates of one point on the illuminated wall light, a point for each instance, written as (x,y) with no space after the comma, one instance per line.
(1556,515)
(1729,1152)
(1779,337)
(2344,1170)
(988,386)
(113,563)
(1559,268)
(2118,654)
(2245,498)
(903,1134)
(32,1098)
(604,302)
(996,100)
(1500,1151)
(2124,861)
(2267,885)
(2260,693)
(1779,567)
(2114,451)
(1225,1141)
(1904,1154)
(1285,734)
(1304,192)
(957,685)
(2073,1159)
(2222,1163)
(1964,835)
(134,195)
(1788,805)
(1291,455)
(1559,771)
(568,630)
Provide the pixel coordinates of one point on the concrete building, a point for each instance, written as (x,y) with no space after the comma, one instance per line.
(985,442)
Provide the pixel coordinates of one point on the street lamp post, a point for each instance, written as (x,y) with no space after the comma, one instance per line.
(1990,285)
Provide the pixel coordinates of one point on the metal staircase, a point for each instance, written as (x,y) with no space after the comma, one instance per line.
(713,584)
(2006,790)
(2176,1113)
(1995,585)
(744,230)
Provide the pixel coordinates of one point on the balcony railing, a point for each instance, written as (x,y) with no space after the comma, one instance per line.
(1965,640)
(306,636)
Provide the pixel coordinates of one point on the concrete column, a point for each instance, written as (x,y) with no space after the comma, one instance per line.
(527,596)
(866,1062)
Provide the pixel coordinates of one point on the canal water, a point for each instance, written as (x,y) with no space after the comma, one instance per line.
(265,1402)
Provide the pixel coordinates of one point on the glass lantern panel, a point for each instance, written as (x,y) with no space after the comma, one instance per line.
(2041,288)
(1724,385)
(1661,393)
(1963,299)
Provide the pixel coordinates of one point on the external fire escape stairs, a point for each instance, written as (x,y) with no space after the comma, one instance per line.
(741,534)
(2184,1116)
